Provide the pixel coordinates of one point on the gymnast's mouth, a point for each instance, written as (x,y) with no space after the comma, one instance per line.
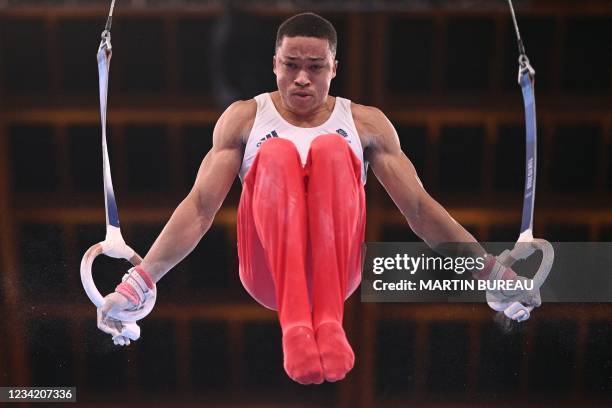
(302,94)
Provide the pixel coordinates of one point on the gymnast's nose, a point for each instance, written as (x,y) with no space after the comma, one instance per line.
(302,80)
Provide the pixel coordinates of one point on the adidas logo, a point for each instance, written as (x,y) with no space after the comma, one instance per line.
(266,137)
(343,133)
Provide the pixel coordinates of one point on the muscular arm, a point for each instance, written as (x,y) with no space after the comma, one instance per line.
(194,215)
(427,218)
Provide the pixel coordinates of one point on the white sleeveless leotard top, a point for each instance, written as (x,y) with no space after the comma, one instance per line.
(269,123)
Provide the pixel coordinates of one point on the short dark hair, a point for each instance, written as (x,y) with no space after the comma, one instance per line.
(308,25)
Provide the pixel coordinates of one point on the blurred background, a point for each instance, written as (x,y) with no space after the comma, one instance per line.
(443,71)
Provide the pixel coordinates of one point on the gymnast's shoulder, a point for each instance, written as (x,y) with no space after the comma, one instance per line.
(237,120)
(372,124)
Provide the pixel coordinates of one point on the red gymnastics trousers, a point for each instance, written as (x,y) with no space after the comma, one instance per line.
(300,236)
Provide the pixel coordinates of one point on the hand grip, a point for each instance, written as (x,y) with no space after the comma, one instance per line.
(92,291)
(523,250)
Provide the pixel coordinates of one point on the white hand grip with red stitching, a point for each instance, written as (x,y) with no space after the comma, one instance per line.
(116,251)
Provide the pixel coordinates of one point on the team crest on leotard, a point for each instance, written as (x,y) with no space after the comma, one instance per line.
(266,137)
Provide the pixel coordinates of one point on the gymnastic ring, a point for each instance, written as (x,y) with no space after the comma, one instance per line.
(122,251)
(523,250)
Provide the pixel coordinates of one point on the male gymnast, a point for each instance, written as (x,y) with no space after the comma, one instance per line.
(302,156)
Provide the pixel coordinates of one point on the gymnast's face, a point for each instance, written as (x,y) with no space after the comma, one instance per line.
(304,68)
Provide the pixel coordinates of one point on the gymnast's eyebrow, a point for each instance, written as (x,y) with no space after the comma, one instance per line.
(309,58)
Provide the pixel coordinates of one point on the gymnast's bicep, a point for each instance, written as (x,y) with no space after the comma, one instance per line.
(215,177)
(397,174)
(393,168)
(221,165)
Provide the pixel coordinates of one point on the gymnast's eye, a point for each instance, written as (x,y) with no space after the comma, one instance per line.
(290,65)
(316,67)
